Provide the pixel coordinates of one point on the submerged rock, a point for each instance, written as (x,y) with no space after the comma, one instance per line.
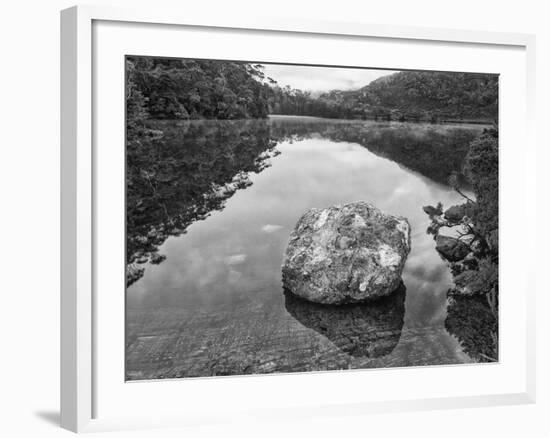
(360,330)
(346,254)
(451,248)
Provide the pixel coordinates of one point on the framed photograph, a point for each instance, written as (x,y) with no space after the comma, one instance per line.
(275,218)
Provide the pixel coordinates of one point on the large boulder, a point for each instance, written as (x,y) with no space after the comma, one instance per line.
(451,248)
(346,254)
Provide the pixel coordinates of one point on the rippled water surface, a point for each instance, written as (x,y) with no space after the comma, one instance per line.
(210,207)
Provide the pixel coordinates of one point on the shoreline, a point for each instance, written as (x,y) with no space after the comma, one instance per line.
(452,122)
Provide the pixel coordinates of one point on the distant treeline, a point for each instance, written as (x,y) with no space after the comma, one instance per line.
(164,88)
(403,96)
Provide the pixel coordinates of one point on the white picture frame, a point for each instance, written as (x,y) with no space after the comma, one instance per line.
(79,199)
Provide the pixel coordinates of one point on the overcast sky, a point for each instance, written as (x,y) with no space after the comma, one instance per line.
(320,79)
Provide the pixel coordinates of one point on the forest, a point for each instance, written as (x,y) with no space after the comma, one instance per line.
(476,276)
(165,88)
(403,96)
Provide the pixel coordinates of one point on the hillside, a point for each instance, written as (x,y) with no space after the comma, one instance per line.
(432,95)
(403,96)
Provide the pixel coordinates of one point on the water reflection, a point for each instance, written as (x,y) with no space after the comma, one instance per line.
(210,207)
(434,151)
(182,177)
(196,167)
(475,325)
(361,330)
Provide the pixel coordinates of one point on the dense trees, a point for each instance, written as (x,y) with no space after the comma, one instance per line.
(296,102)
(136,111)
(192,89)
(435,95)
(482,169)
(478,218)
(403,96)
(476,276)
(164,88)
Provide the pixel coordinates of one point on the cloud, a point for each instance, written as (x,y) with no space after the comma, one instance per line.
(269,228)
(235,259)
(321,79)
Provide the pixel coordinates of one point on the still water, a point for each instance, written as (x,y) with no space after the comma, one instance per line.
(211,205)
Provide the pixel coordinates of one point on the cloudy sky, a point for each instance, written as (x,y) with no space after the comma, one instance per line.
(320,79)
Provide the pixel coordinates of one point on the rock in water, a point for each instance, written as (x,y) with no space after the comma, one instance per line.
(346,254)
(451,248)
(432,211)
(457,212)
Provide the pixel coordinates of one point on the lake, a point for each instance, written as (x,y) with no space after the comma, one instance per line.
(210,207)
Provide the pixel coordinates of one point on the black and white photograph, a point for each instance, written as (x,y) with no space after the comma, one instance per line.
(286,219)
(297,218)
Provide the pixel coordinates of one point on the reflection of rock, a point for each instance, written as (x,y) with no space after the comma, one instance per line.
(451,248)
(471,320)
(361,330)
(346,254)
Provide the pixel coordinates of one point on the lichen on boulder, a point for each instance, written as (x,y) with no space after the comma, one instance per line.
(346,254)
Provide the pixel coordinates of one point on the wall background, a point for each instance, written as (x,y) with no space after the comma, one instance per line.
(29,216)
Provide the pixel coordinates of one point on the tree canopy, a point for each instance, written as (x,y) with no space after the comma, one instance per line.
(403,96)
(166,88)
(194,89)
